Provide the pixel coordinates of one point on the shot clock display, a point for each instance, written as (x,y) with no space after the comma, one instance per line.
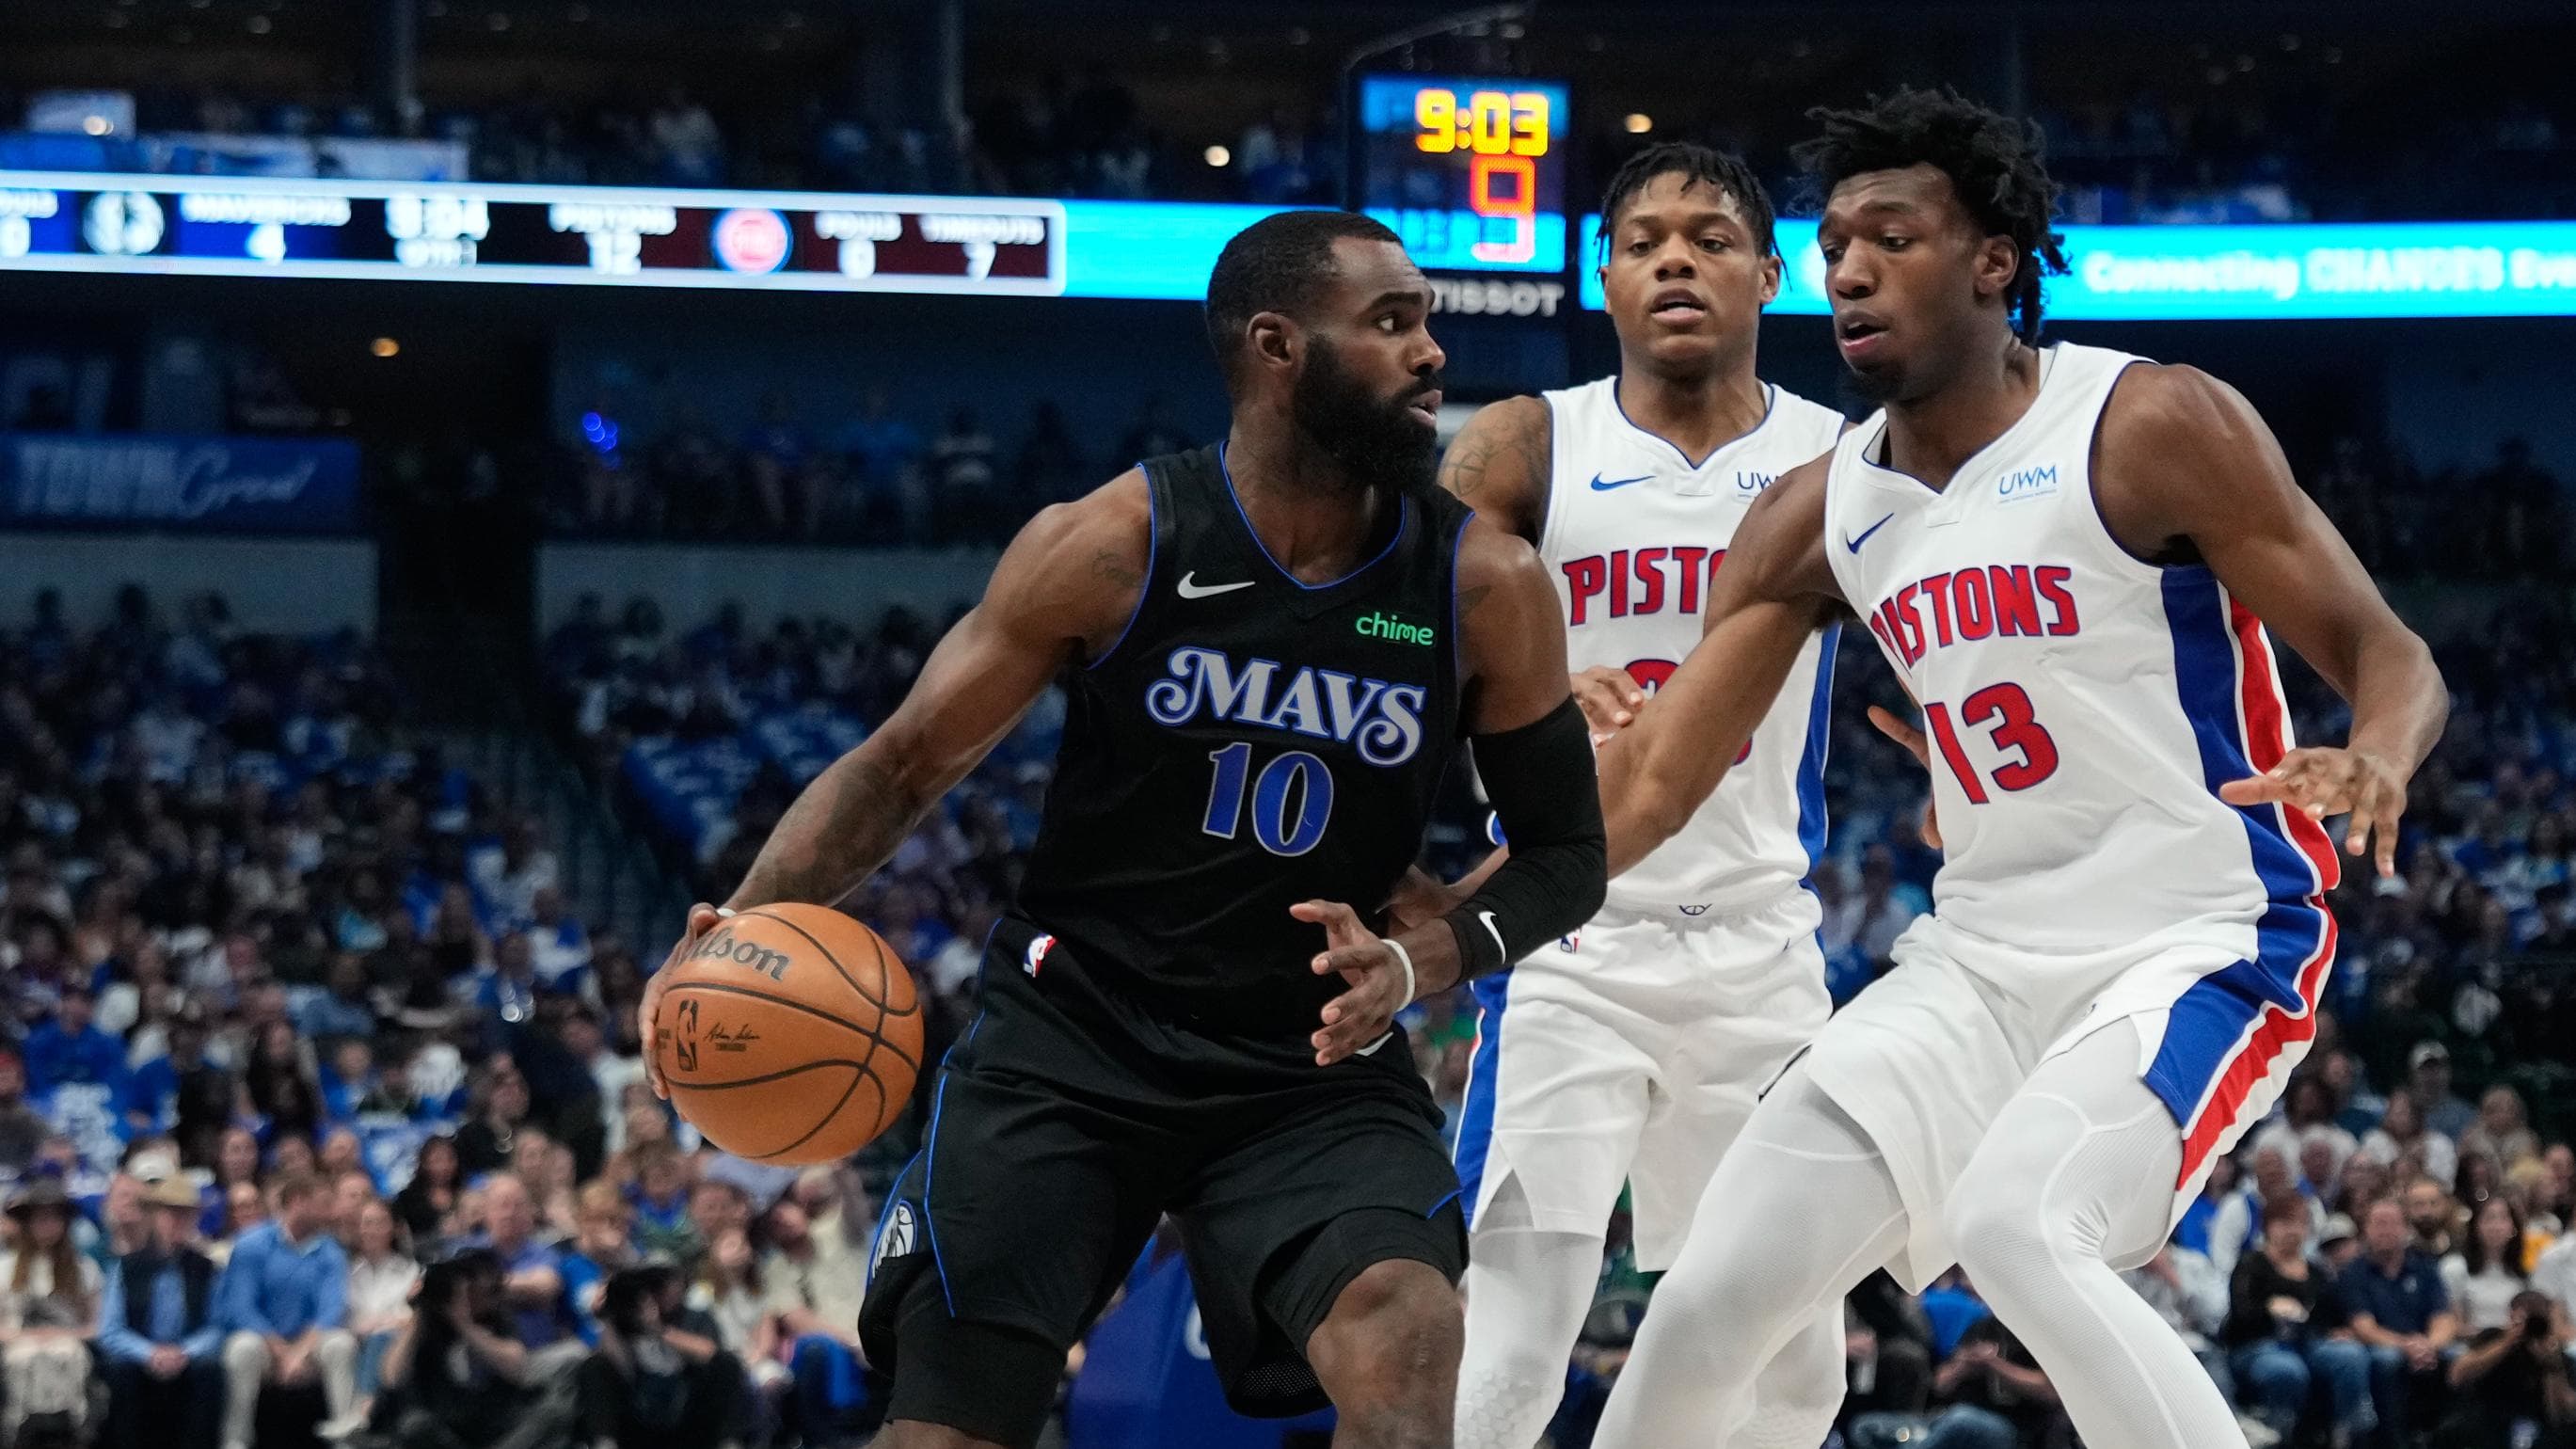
(1470,172)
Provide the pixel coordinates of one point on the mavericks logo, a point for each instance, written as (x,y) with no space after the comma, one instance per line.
(1391,628)
(1382,720)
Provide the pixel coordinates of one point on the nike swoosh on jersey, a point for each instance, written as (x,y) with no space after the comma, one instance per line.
(1488,918)
(1193,590)
(1854,544)
(1604,485)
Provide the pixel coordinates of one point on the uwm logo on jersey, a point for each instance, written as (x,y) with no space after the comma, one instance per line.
(1382,720)
(1627,582)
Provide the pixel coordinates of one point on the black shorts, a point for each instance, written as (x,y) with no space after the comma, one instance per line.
(1068,1121)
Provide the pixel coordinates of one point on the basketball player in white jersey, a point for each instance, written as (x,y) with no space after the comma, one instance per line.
(2070,557)
(1634,1049)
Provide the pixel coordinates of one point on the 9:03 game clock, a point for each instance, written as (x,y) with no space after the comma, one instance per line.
(1469,172)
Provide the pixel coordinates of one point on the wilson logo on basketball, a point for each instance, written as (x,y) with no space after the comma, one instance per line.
(722,945)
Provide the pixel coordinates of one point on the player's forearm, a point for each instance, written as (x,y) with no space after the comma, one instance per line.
(841,827)
(2399,702)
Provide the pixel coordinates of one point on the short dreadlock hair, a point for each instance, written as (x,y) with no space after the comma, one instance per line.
(1280,263)
(1992,160)
(1695,164)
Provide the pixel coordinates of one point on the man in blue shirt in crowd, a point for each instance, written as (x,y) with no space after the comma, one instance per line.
(535,1285)
(285,1304)
(69,1050)
(2401,1313)
(157,1333)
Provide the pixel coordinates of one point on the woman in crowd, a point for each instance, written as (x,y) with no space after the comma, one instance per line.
(2401,1131)
(2488,1270)
(49,1293)
(2481,1177)
(281,1086)
(382,1275)
(659,1379)
(2286,1329)
(729,1290)
(426,1201)
(2503,1130)
(500,1109)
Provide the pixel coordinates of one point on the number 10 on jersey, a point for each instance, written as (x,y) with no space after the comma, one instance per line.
(1292,798)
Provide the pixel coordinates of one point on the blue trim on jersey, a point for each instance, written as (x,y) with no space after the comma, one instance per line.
(1404,511)
(2210,1021)
(1434,1210)
(930,1163)
(1770,405)
(1476,1114)
(1811,758)
(1152,527)
(1457,647)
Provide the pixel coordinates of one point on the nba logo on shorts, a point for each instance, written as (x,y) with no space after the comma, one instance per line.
(1035,956)
(896,1240)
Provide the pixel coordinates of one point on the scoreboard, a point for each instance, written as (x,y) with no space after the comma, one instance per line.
(780,241)
(1470,172)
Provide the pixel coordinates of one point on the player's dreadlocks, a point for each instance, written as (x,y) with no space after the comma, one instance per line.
(1993,161)
(1694,163)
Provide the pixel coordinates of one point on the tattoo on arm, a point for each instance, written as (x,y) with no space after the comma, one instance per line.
(1462,469)
(843,826)
(1117,568)
(1469,598)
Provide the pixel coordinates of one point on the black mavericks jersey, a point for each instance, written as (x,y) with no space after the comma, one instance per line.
(1249,742)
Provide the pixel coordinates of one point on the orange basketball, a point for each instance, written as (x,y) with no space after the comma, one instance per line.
(790,1035)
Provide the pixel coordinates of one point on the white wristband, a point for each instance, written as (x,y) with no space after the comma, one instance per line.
(1404,957)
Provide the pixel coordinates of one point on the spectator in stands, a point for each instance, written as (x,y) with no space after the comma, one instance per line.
(1992,1393)
(285,1297)
(426,1201)
(603,1243)
(2307,1116)
(22,1131)
(2287,1327)
(2401,1313)
(557,943)
(281,1086)
(534,1286)
(2503,1129)
(2486,1274)
(341,1008)
(2555,1192)
(2428,1080)
(661,1197)
(381,1279)
(49,1302)
(243,1207)
(2402,1136)
(817,1274)
(158,1334)
(728,1288)
(659,1377)
(69,1049)
(464,1379)
(964,481)
(2186,1292)
(880,446)
(500,1109)
(787,480)
(2513,1375)
(2430,1217)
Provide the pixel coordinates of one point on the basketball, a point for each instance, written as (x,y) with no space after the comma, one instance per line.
(791,1034)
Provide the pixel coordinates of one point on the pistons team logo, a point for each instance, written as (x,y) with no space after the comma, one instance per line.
(1035,956)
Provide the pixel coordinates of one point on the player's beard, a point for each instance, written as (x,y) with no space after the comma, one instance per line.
(1378,442)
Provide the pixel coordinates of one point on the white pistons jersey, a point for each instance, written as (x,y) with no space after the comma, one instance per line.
(2084,707)
(1634,532)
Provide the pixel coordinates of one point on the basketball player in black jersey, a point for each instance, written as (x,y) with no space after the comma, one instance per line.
(1272,648)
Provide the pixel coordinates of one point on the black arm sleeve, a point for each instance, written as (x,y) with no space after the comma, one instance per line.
(1541,782)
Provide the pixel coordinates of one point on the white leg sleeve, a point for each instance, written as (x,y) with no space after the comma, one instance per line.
(2074,1179)
(1527,1293)
(1800,1211)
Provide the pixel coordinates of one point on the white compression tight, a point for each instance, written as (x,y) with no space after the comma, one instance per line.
(2074,1176)
(1528,1291)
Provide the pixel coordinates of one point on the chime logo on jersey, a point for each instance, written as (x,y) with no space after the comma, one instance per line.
(1382,720)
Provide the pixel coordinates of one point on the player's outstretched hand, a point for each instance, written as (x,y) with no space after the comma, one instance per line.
(1609,700)
(702,919)
(1913,740)
(2323,781)
(1380,985)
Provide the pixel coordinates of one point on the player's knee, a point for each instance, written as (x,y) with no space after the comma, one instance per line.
(1394,1334)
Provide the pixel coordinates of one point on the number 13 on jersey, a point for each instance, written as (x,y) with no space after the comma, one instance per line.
(2013,729)
(1292,798)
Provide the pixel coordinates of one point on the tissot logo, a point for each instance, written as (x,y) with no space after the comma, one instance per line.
(1392,629)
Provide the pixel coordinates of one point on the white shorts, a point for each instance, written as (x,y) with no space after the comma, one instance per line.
(1634,1051)
(1928,1054)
